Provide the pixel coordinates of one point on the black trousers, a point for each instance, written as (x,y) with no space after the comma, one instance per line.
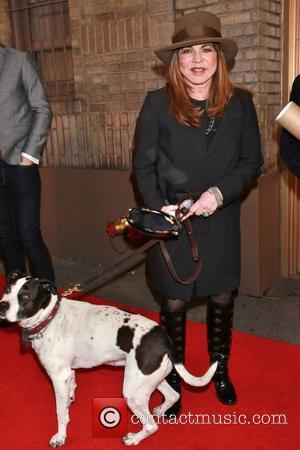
(20,234)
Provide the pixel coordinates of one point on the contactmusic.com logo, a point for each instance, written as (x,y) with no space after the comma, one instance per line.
(110,417)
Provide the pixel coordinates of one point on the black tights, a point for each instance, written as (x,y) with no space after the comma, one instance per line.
(173,305)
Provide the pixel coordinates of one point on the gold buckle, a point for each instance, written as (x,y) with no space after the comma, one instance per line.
(75,288)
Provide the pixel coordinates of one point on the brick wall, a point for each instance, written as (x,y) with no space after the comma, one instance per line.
(113,46)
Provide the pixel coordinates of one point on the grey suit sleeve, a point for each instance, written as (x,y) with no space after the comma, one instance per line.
(146,154)
(250,159)
(40,109)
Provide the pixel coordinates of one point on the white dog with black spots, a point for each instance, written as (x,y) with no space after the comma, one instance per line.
(68,334)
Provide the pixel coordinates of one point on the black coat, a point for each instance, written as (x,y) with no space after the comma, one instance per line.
(171,159)
(289,145)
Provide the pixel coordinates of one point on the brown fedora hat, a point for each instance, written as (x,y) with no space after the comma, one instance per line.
(197,28)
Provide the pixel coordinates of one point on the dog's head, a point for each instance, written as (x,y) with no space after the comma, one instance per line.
(24,297)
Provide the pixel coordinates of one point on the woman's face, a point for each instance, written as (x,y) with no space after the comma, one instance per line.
(198,65)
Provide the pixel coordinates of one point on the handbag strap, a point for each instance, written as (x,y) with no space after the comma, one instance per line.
(195,255)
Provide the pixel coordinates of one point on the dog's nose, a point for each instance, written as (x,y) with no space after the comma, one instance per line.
(4,306)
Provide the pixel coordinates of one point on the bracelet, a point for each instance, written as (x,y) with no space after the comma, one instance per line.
(217,194)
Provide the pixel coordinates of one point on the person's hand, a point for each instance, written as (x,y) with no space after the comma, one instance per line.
(206,205)
(26,162)
(169,209)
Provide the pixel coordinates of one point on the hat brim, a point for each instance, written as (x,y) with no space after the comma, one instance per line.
(228,46)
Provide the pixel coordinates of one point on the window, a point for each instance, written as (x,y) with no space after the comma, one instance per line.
(42,27)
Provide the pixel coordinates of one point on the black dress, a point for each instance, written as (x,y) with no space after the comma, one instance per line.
(171,160)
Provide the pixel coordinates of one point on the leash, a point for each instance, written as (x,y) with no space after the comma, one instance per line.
(113,270)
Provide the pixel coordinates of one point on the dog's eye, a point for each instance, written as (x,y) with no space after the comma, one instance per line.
(25,298)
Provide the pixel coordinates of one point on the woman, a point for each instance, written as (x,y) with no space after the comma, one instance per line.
(199,134)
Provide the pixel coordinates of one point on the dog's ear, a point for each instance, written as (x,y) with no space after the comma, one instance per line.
(48,286)
(14,276)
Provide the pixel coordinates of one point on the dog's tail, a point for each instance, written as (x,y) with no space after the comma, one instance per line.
(179,367)
(191,379)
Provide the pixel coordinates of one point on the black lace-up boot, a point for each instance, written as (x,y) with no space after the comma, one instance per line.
(174,322)
(219,332)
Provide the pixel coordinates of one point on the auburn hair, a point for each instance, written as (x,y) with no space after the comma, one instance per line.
(180,104)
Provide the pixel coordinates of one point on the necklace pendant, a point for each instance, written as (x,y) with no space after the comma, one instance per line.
(210,126)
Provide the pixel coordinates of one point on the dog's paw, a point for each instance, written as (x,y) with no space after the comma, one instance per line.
(130,439)
(57,440)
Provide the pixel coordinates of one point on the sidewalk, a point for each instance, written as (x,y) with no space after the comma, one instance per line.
(276,316)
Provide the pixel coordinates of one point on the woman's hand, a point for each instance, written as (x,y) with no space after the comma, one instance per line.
(206,205)
(169,209)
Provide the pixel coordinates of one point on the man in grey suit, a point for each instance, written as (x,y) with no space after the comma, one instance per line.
(25,120)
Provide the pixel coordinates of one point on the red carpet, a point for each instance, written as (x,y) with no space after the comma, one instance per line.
(265,372)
